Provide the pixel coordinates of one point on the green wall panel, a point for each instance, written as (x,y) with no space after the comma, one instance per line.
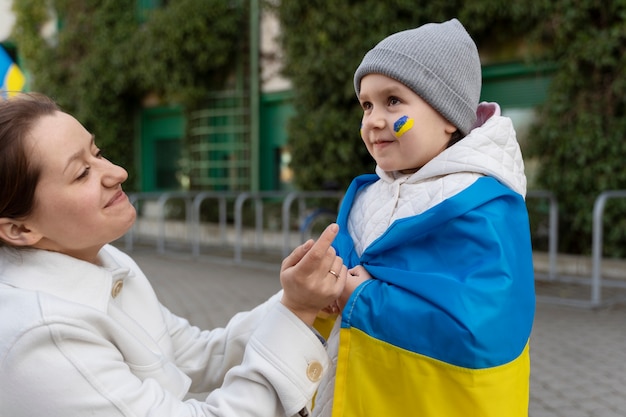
(162,130)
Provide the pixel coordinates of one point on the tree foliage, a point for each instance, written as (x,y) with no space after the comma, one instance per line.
(324,42)
(580,132)
(104,61)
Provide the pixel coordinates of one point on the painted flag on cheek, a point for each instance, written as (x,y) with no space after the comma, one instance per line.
(402,125)
(11,77)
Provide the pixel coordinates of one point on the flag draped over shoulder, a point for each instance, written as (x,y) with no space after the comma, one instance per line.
(443,329)
(12,79)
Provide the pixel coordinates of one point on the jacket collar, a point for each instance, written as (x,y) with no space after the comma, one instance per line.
(491,149)
(62,276)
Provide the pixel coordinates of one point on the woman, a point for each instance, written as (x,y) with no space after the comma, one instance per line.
(82,332)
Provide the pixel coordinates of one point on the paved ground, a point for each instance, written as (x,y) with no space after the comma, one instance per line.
(578,355)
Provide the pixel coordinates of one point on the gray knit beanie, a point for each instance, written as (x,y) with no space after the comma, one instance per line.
(438,61)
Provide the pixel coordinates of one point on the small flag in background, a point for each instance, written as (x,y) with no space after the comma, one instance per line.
(12,79)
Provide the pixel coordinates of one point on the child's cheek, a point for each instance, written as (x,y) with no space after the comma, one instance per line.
(402,125)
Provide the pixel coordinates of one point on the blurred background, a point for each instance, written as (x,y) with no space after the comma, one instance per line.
(236,96)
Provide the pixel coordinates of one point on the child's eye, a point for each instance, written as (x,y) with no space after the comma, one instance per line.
(393,101)
(366,105)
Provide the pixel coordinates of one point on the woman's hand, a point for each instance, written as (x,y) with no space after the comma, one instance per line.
(306,277)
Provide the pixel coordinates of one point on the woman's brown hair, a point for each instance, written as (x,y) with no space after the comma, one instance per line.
(18,176)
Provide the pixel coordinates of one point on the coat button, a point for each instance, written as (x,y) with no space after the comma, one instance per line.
(117,287)
(314,371)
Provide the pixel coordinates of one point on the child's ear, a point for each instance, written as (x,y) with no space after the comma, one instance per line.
(16,233)
(450,128)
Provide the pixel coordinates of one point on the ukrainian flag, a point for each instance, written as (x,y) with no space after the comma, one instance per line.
(11,78)
(443,330)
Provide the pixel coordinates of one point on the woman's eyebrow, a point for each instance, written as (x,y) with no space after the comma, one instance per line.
(78,154)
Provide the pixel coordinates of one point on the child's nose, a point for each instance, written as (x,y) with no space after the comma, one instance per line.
(376,119)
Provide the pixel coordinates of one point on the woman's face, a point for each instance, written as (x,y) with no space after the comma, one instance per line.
(79,202)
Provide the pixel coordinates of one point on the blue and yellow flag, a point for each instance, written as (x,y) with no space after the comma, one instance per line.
(11,78)
(444,328)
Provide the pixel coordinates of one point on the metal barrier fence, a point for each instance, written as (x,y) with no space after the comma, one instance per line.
(553,229)
(597,244)
(595,281)
(222,200)
(192,217)
(193,202)
(258,219)
(301,198)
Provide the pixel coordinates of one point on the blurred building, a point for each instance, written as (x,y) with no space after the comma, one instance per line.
(7,20)
(12,79)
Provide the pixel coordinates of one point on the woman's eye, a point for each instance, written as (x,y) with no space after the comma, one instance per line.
(83,174)
(99,153)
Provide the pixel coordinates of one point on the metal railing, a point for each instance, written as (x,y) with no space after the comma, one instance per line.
(161,203)
(257,197)
(301,198)
(135,199)
(192,216)
(597,244)
(222,198)
(595,281)
(553,229)
(193,202)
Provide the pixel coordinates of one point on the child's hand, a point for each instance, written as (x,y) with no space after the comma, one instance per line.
(356,276)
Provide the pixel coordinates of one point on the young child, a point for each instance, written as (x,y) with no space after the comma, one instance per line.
(443,328)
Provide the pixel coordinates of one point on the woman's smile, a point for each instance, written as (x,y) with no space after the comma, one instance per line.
(119,197)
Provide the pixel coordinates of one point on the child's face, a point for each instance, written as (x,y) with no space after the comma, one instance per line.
(400,130)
